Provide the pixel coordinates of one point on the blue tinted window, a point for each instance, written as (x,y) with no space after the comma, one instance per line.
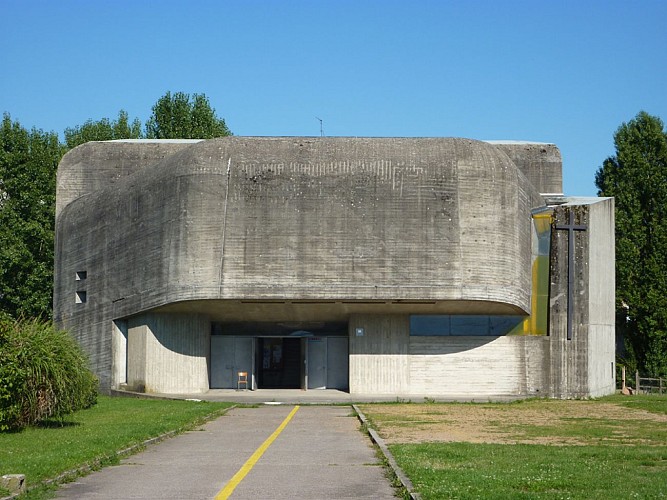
(502,325)
(469,325)
(445,325)
(429,325)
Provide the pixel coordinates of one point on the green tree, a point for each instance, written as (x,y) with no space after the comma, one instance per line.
(637,177)
(181,116)
(28,163)
(103,130)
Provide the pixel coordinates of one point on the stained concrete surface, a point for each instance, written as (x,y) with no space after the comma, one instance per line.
(320,454)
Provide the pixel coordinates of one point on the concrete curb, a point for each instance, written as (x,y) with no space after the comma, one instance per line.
(89,467)
(405,481)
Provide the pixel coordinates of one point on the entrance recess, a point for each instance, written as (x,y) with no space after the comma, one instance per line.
(230,355)
(279,365)
(327,363)
(280,357)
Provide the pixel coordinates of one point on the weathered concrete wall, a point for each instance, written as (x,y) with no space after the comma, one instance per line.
(582,366)
(366,227)
(540,163)
(97,165)
(288,219)
(379,361)
(168,353)
(510,365)
(602,299)
(329,229)
(387,360)
(569,358)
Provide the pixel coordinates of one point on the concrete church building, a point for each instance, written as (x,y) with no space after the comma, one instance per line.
(379,266)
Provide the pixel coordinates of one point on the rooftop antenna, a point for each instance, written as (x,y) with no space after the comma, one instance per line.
(321,129)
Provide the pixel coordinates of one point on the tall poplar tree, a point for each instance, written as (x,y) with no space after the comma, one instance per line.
(637,178)
(182,116)
(103,130)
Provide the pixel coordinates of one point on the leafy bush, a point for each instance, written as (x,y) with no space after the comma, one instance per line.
(43,374)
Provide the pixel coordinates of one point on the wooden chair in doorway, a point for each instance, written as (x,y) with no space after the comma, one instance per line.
(242,380)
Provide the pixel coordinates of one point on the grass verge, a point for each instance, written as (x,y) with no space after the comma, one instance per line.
(548,449)
(96,434)
(466,470)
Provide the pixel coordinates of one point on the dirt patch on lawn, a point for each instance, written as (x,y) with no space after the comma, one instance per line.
(543,422)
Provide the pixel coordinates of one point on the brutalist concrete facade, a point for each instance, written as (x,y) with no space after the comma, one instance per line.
(308,262)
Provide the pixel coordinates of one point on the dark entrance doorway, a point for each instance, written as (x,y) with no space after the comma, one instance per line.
(280,355)
(279,363)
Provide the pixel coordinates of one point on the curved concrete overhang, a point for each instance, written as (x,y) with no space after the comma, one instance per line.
(330,310)
(309,219)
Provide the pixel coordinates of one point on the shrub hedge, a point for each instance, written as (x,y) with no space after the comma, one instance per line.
(43,374)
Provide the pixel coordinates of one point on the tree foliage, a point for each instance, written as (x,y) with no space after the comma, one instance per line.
(28,163)
(181,116)
(637,177)
(43,374)
(103,130)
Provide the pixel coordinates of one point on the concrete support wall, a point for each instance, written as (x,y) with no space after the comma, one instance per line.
(387,360)
(379,361)
(477,365)
(168,353)
(119,353)
(582,365)
(602,287)
(569,358)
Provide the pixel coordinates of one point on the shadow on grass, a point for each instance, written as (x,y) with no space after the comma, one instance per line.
(56,424)
(52,423)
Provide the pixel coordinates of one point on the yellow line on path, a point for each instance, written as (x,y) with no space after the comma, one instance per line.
(224,493)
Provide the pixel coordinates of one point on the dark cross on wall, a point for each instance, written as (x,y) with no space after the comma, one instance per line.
(571,227)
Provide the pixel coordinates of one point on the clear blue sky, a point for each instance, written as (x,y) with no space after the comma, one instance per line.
(567,72)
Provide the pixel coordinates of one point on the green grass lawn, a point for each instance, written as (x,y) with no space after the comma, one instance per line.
(95,434)
(465,470)
(596,467)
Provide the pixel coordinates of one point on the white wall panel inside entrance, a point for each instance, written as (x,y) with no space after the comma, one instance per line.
(230,355)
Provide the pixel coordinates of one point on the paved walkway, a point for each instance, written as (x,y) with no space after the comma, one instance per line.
(319,454)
